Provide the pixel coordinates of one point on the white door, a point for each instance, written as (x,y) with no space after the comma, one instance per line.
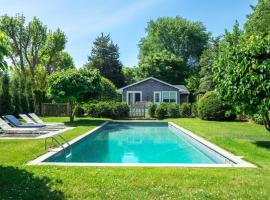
(134,97)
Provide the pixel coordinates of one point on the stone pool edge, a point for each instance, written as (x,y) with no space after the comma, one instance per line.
(240,163)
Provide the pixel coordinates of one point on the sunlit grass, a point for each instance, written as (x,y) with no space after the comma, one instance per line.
(59,182)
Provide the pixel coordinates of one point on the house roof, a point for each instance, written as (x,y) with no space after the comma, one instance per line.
(181,88)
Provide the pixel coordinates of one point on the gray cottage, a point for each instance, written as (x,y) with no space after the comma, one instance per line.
(154,90)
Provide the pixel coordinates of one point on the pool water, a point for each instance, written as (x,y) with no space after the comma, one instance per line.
(138,142)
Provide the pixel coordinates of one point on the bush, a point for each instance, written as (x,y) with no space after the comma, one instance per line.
(120,110)
(108,90)
(161,111)
(257,118)
(80,111)
(152,109)
(194,110)
(211,107)
(107,109)
(173,110)
(185,110)
(91,110)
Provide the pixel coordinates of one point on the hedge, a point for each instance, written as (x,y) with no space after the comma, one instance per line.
(107,109)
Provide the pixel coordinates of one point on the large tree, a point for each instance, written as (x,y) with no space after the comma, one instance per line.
(259,20)
(242,72)
(3,51)
(74,87)
(165,66)
(32,44)
(105,57)
(179,39)
(131,74)
(5,97)
(207,58)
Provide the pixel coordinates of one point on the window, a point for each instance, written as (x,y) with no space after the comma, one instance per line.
(169,96)
(157,97)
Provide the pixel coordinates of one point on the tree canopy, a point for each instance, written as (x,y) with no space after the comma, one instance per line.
(242,72)
(259,21)
(105,57)
(74,86)
(172,40)
(3,51)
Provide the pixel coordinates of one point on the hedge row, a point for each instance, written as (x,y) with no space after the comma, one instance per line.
(107,109)
(164,110)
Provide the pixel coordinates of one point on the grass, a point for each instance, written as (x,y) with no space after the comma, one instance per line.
(18,181)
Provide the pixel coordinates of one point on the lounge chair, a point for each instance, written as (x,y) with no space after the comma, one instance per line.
(6,128)
(28,120)
(15,122)
(38,120)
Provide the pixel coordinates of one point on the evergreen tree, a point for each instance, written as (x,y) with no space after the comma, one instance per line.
(24,100)
(6,105)
(30,96)
(16,97)
(105,57)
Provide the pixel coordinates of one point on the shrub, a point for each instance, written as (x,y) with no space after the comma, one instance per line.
(91,110)
(120,110)
(152,109)
(80,111)
(161,111)
(194,110)
(257,118)
(211,107)
(104,109)
(185,110)
(107,109)
(173,110)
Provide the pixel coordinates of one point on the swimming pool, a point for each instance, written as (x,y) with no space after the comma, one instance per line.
(142,143)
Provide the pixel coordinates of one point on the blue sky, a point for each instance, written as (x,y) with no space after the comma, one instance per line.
(125,20)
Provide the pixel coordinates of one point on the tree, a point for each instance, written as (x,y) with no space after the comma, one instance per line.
(3,51)
(5,103)
(74,86)
(165,66)
(32,44)
(108,90)
(63,62)
(179,38)
(258,21)
(242,72)
(15,93)
(207,58)
(105,57)
(131,75)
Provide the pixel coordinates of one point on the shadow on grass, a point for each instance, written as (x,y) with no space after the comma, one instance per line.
(17,183)
(263,144)
(86,122)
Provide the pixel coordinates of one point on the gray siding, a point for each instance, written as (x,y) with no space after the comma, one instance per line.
(148,87)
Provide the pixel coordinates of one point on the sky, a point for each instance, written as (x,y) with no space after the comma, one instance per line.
(125,20)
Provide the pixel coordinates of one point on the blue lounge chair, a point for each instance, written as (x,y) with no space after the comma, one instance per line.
(15,122)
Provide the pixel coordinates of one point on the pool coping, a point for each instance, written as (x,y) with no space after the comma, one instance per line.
(240,163)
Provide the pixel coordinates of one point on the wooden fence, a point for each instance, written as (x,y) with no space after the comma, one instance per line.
(55,109)
(137,110)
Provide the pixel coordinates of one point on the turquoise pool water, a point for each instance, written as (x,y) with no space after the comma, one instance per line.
(139,142)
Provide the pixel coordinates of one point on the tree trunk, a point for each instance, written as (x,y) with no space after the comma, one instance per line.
(73,109)
(71,116)
(266,120)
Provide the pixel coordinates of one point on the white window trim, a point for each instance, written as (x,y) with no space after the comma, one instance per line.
(170,96)
(133,92)
(160,98)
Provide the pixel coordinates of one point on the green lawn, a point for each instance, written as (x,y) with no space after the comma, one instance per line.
(18,181)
